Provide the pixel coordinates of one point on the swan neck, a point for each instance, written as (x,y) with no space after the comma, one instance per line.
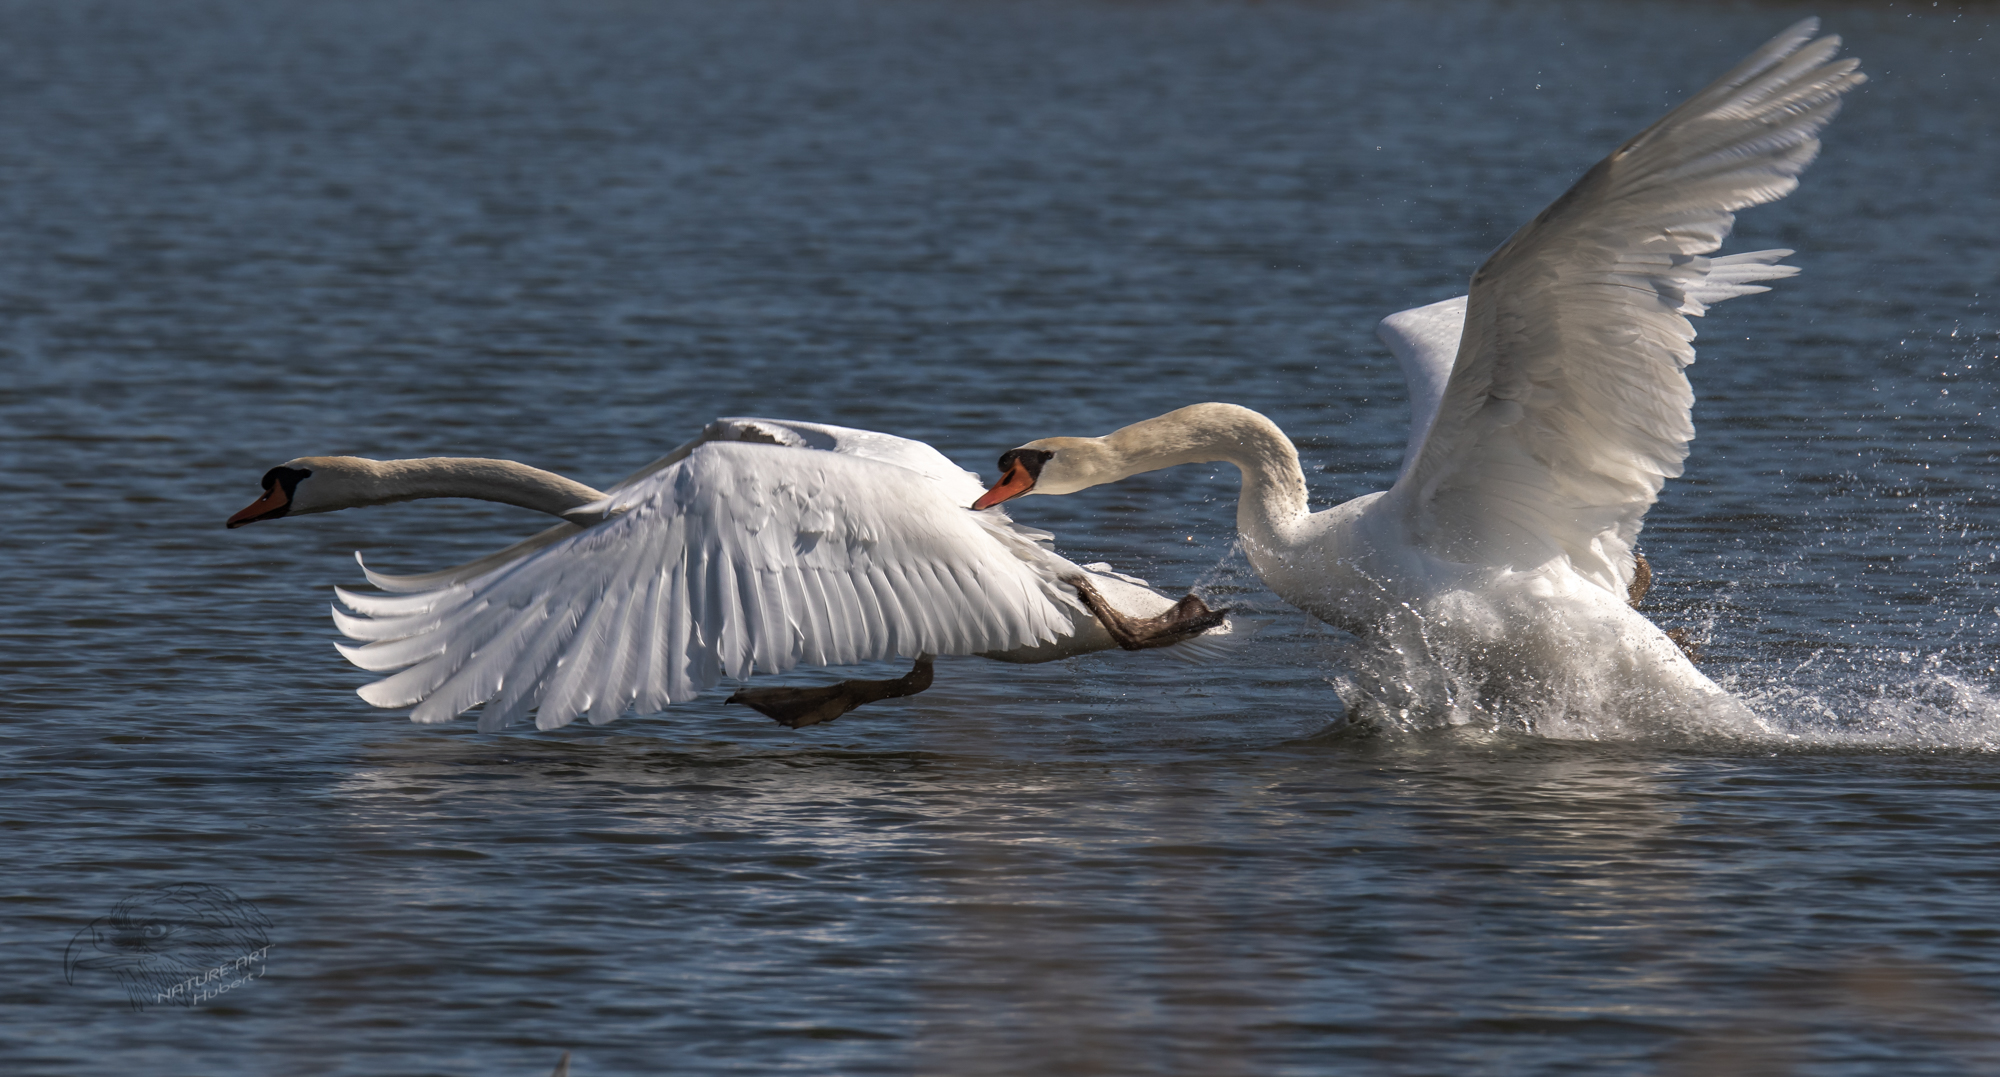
(354,482)
(1274,486)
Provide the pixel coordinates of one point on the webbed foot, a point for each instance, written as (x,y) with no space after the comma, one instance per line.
(1189,618)
(801,707)
(1642,579)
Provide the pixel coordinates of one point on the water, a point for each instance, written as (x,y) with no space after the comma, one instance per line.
(571,233)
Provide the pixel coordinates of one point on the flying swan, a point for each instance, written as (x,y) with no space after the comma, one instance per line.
(1548,407)
(760,545)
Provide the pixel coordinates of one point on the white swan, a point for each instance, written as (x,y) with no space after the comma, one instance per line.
(1548,408)
(760,545)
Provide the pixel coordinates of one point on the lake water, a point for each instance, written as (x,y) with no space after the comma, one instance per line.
(570,233)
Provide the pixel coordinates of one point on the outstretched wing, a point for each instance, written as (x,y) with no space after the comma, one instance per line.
(756,552)
(1425,342)
(1567,408)
(1425,339)
(865,444)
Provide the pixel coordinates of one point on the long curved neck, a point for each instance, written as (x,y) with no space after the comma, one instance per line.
(341,482)
(1273,500)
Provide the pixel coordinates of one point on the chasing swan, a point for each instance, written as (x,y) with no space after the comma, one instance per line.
(1549,406)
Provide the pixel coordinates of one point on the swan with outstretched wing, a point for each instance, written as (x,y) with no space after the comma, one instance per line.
(760,546)
(1548,407)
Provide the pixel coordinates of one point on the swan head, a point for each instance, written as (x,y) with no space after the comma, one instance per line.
(1194,434)
(307,484)
(1051,466)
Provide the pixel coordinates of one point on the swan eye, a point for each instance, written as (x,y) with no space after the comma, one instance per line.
(281,485)
(1031,460)
(290,476)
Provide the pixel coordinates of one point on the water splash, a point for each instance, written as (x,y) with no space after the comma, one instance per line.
(1888,699)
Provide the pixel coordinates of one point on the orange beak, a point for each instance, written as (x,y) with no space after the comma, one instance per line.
(273,500)
(1016,482)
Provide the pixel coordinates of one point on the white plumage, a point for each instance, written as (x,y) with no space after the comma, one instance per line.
(1567,408)
(760,546)
(1547,409)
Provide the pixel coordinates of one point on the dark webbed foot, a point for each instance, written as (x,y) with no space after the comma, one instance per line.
(1189,618)
(1642,579)
(801,707)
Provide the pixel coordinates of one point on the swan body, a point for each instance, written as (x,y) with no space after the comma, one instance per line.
(760,545)
(1548,408)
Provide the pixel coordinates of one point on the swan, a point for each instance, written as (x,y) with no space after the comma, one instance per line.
(1548,405)
(760,545)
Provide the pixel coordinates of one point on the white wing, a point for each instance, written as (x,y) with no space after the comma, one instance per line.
(768,546)
(1567,408)
(1425,341)
(867,444)
(848,441)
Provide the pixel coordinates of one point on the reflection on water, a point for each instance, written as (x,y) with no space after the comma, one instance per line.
(572,234)
(1898,1011)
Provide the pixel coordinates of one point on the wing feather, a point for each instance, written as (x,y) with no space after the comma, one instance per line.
(1566,407)
(740,555)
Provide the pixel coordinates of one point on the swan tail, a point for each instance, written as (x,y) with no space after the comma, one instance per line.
(1223,643)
